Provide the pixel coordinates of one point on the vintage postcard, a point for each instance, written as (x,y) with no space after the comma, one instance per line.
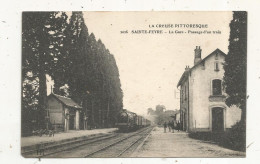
(134,84)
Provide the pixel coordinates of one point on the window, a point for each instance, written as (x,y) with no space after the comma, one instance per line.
(216,67)
(47,114)
(185,93)
(216,87)
(216,57)
(203,64)
(182,95)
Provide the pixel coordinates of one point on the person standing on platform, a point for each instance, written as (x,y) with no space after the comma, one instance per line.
(172,126)
(178,126)
(169,126)
(165,126)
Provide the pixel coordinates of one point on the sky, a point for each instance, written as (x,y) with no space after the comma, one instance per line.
(150,65)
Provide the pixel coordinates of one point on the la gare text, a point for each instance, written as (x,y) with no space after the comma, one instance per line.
(170,32)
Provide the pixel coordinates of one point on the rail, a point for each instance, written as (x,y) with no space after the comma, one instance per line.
(119,141)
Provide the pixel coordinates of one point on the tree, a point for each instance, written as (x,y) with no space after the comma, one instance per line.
(159,109)
(159,114)
(115,91)
(29,112)
(82,67)
(150,111)
(90,72)
(235,65)
(42,39)
(76,68)
(76,39)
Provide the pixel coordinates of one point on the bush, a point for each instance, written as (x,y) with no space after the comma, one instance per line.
(234,138)
(205,136)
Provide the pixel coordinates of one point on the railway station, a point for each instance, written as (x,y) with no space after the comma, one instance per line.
(161,133)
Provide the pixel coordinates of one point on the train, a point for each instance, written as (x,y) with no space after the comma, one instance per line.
(128,121)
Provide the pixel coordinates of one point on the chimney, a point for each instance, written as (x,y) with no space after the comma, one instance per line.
(187,68)
(197,58)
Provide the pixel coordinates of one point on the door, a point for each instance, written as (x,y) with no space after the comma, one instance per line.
(71,122)
(217,119)
(81,121)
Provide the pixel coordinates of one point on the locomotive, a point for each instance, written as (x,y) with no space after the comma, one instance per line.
(129,121)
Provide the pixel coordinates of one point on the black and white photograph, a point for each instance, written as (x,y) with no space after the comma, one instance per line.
(151,84)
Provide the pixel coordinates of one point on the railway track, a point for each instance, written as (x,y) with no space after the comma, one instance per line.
(70,145)
(133,143)
(120,147)
(112,146)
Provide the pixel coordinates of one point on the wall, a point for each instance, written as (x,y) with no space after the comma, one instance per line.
(66,121)
(77,120)
(184,105)
(55,110)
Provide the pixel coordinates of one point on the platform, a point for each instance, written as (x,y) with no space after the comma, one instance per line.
(178,144)
(33,140)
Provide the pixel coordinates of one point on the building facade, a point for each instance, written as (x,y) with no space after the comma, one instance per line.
(202,98)
(63,113)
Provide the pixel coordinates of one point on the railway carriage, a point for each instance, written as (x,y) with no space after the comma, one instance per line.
(143,122)
(139,121)
(147,122)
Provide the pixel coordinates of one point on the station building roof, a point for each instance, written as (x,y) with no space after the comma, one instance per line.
(187,71)
(66,101)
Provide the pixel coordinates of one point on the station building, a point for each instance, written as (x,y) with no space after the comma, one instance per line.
(202,98)
(63,113)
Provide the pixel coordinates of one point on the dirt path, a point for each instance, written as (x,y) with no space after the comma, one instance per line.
(178,144)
